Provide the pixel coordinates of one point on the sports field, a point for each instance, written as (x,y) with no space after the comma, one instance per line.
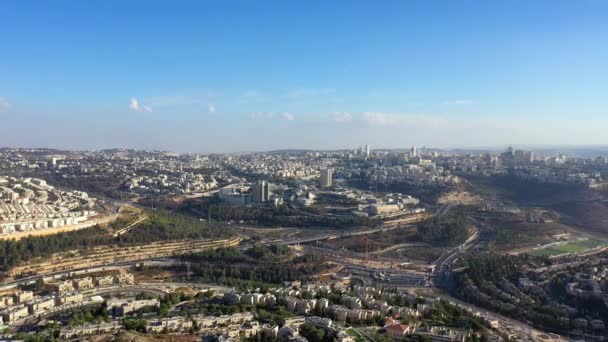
(571,247)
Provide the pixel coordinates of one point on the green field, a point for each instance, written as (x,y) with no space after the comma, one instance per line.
(352,333)
(572,247)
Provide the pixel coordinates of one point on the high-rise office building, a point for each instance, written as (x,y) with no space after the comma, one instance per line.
(326,177)
(529,157)
(519,156)
(368,151)
(414,152)
(261,192)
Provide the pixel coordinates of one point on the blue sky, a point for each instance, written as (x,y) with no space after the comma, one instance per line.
(213,76)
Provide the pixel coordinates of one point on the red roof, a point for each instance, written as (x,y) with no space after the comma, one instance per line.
(390,321)
(397,329)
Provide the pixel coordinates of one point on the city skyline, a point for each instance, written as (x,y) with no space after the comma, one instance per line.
(229,78)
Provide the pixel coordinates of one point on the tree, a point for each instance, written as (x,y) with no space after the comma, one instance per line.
(312,333)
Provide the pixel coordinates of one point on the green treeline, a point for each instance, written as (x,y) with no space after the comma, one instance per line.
(445,231)
(494,267)
(260,264)
(510,285)
(160,226)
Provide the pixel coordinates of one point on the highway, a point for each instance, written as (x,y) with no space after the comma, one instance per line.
(399,246)
(321,237)
(127,228)
(443,267)
(362,270)
(445,261)
(73,271)
(444,209)
(294,241)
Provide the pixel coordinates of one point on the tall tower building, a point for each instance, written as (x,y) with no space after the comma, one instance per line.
(368,151)
(529,157)
(261,192)
(414,152)
(326,177)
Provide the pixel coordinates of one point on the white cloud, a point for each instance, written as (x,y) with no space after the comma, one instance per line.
(343,117)
(460,102)
(134,105)
(4,104)
(390,119)
(288,116)
(270,115)
(211,108)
